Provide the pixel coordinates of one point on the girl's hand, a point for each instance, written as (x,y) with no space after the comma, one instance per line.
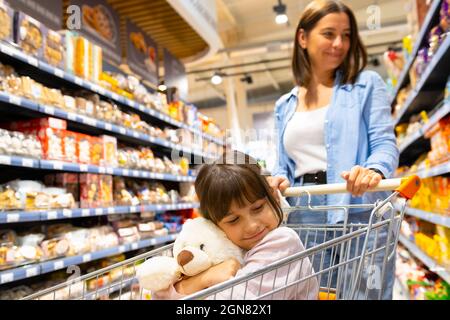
(278,183)
(221,272)
(360,179)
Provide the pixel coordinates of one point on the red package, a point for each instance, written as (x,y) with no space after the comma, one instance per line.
(51,141)
(48,122)
(89,190)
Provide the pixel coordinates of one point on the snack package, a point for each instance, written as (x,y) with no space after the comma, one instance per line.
(29,34)
(53,48)
(96,154)
(53,248)
(84,106)
(109,151)
(70,146)
(47,122)
(106,190)
(51,141)
(6,22)
(67,180)
(84,148)
(89,190)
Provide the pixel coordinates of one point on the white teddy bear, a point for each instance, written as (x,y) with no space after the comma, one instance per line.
(199,246)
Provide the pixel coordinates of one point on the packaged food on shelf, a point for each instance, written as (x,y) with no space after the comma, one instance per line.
(87,59)
(51,141)
(60,198)
(67,180)
(52,97)
(96,155)
(89,190)
(29,34)
(9,198)
(106,190)
(17,143)
(84,106)
(53,48)
(103,237)
(48,122)
(439,136)
(84,148)
(55,247)
(433,196)
(109,151)
(6,22)
(79,241)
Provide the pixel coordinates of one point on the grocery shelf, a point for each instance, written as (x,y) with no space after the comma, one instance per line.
(432,77)
(17,161)
(433,11)
(440,113)
(29,271)
(87,121)
(428,261)
(59,73)
(437,170)
(435,218)
(110,288)
(47,215)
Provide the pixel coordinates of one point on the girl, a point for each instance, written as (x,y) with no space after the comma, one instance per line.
(237,198)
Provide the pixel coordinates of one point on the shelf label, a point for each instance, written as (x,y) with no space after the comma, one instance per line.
(78,81)
(108,126)
(49,110)
(12,217)
(85,212)
(83,167)
(7,277)
(145,174)
(159,176)
(51,215)
(122,249)
(90,121)
(101,90)
(15,100)
(109,170)
(122,130)
(135,173)
(58,265)
(115,96)
(72,116)
(102,170)
(141,107)
(133,209)
(136,134)
(111,210)
(5,160)
(152,112)
(31,272)
(87,257)
(57,165)
(134,246)
(59,73)
(159,207)
(99,211)
(67,213)
(8,50)
(33,61)
(125,172)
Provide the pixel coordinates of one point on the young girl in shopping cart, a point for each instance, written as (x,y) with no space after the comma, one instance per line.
(237,198)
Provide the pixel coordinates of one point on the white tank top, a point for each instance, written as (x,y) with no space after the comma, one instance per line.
(304,141)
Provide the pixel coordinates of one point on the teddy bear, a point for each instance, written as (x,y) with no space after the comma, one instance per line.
(199,246)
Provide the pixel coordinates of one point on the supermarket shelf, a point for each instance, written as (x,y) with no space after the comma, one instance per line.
(431,172)
(422,256)
(58,264)
(433,75)
(426,26)
(94,123)
(441,113)
(58,73)
(110,288)
(435,218)
(47,215)
(75,167)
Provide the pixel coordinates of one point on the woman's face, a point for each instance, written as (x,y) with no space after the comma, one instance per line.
(246,226)
(328,42)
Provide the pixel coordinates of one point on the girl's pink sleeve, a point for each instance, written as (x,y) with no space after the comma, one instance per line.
(278,244)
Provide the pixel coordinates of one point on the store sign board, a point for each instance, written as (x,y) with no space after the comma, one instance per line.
(141,53)
(175,74)
(101,24)
(48,12)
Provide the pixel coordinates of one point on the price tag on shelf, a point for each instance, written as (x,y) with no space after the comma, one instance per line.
(133,209)
(12,217)
(108,126)
(152,112)
(99,211)
(152,175)
(159,176)
(72,116)
(59,73)
(135,173)
(125,172)
(15,100)
(7,49)
(101,170)
(146,174)
(122,130)
(67,213)
(111,210)
(5,160)
(87,257)
(141,107)
(33,61)
(83,167)
(122,249)
(7,277)
(58,265)
(109,170)
(115,96)
(90,121)
(57,165)
(178,178)
(78,81)
(51,215)
(134,246)
(136,134)
(31,272)
(159,207)
(85,212)
(101,90)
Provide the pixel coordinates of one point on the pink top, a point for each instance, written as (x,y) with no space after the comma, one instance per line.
(280,243)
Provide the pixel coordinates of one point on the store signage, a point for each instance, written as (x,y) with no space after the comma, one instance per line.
(175,75)
(141,53)
(48,12)
(101,24)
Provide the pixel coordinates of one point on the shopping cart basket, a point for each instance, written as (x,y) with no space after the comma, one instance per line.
(349,272)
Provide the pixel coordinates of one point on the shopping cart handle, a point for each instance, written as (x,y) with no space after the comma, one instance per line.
(406,187)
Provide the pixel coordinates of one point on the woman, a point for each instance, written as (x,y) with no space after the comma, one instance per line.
(336,123)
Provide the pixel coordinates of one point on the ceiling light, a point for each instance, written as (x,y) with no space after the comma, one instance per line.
(162,86)
(280,10)
(216,79)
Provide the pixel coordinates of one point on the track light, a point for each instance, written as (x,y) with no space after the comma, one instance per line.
(280,10)
(162,86)
(216,79)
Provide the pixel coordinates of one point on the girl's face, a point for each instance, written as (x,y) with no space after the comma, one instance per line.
(248,225)
(328,42)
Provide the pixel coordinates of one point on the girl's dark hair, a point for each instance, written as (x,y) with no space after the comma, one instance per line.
(356,59)
(233,177)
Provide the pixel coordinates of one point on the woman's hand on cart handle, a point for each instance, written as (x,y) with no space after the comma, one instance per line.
(278,183)
(360,179)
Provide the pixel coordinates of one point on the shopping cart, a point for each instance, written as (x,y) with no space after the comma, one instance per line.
(342,257)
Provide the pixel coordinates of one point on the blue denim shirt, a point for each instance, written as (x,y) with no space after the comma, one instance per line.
(359,130)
